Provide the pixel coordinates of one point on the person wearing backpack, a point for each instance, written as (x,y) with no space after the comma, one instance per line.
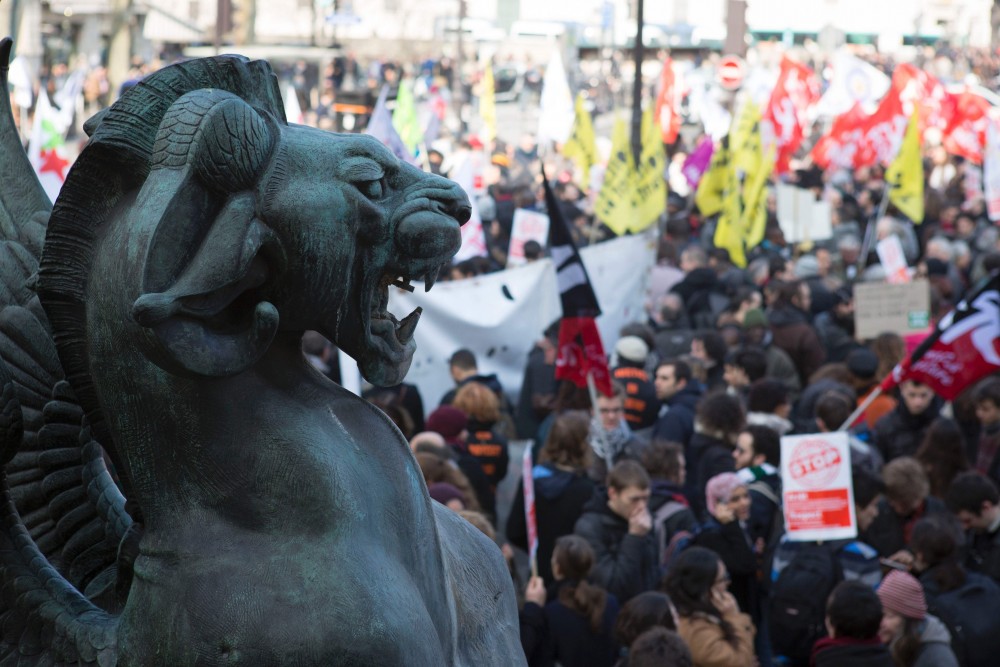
(915,638)
(967,602)
(803,574)
(672,516)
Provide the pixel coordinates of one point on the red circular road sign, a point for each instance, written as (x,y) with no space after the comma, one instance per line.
(730,72)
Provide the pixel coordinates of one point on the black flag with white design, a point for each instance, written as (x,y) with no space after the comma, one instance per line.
(581,352)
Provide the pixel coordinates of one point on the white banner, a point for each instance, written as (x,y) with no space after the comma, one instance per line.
(499,316)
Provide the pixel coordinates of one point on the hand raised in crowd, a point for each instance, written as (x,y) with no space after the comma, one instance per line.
(723,513)
(724,601)
(535,592)
(903,557)
(640,522)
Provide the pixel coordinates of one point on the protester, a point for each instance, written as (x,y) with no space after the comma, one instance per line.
(708,617)
(942,454)
(900,432)
(974,499)
(648,610)
(853,620)
(658,647)
(484,441)
(670,509)
(718,423)
(580,618)
(987,452)
(610,436)
(562,488)
(676,388)
(914,637)
(641,403)
(618,527)
(906,501)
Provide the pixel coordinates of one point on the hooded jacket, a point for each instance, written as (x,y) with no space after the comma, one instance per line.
(677,423)
(560,496)
(935,645)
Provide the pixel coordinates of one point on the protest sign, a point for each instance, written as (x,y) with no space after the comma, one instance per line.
(890,253)
(901,308)
(527,476)
(816,483)
(800,216)
(527,226)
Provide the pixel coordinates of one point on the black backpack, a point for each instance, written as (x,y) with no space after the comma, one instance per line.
(798,601)
(971,612)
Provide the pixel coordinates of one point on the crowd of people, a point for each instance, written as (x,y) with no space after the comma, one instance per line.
(659,508)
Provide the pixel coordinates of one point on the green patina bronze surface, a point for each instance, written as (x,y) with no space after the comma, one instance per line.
(260,514)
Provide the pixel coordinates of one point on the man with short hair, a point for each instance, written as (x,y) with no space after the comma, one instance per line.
(986,457)
(974,499)
(757,459)
(618,527)
(832,410)
(900,432)
(464,369)
(680,393)
(792,329)
(853,617)
(906,501)
(743,367)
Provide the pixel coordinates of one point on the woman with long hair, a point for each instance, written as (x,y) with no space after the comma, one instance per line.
(580,618)
(709,619)
(645,611)
(562,488)
(914,637)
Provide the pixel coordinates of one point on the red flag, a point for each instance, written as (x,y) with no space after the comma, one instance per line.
(963,348)
(965,135)
(797,89)
(666,104)
(915,86)
(581,353)
(839,147)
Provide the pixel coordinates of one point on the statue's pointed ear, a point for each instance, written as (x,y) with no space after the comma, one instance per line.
(213,321)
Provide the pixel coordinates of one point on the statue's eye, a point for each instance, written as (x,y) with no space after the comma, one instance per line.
(372,189)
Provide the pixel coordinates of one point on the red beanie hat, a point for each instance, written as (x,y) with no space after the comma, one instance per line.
(447,420)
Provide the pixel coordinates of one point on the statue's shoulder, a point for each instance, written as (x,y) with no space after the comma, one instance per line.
(485,603)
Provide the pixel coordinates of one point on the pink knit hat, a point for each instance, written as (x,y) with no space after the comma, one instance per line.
(901,592)
(721,487)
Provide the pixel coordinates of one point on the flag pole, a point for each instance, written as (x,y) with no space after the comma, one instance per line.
(592,388)
(866,247)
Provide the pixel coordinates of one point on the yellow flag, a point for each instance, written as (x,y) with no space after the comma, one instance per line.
(744,139)
(581,147)
(755,202)
(905,176)
(487,104)
(729,232)
(712,185)
(614,205)
(650,182)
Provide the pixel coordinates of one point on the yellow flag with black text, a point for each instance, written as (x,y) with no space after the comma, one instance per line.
(729,231)
(745,141)
(581,147)
(712,186)
(651,183)
(488,105)
(755,202)
(905,176)
(614,206)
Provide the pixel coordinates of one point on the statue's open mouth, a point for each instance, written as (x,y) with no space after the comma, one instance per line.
(396,334)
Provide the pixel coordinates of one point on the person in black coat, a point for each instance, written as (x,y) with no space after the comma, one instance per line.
(618,527)
(680,392)
(718,423)
(900,432)
(562,489)
(579,618)
(853,616)
(483,440)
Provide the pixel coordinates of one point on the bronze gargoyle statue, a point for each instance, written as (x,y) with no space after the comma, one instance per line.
(180,487)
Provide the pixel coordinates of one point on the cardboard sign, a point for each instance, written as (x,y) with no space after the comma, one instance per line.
(902,308)
(800,216)
(527,226)
(817,493)
(890,253)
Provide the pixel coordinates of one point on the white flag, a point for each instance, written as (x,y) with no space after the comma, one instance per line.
(380,127)
(47,147)
(853,80)
(556,109)
(991,170)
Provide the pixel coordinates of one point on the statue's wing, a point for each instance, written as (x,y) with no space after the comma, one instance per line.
(62,516)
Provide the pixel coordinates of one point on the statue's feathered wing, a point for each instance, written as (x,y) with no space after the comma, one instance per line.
(62,516)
